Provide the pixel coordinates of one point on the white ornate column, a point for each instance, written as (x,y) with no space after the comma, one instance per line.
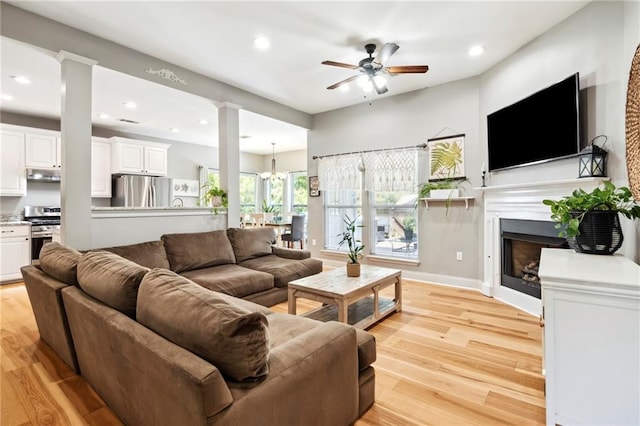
(229,158)
(75,129)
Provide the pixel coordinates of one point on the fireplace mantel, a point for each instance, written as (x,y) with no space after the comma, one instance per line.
(518,201)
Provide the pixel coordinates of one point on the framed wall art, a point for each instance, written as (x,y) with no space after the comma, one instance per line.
(446,157)
(314,186)
(185,188)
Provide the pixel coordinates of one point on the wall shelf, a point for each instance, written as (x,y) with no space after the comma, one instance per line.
(444,200)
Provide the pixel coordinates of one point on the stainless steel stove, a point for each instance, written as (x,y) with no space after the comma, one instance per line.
(44,220)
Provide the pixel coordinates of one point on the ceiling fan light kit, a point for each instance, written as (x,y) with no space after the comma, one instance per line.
(371,69)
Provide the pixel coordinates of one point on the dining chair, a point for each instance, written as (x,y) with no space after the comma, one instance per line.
(296,233)
(257,219)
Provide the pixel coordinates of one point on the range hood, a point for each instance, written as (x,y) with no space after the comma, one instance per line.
(43,175)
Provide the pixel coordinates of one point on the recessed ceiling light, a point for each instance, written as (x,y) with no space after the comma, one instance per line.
(203,122)
(174,130)
(344,88)
(21,79)
(261,43)
(105,116)
(476,50)
(6,97)
(130,105)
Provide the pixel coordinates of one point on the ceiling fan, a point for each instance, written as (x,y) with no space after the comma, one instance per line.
(371,69)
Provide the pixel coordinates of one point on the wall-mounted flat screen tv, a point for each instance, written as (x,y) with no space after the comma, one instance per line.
(542,127)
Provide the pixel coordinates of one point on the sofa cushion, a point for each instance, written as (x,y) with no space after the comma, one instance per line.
(150,254)
(111,279)
(60,261)
(250,243)
(231,279)
(195,250)
(284,270)
(285,327)
(232,338)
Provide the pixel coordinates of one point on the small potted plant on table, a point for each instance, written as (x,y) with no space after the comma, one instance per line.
(354,245)
(590,221)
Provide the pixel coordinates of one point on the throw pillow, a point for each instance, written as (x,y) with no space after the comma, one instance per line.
(60,261)
(232,338)
(111,279)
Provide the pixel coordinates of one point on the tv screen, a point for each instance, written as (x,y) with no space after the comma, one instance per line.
(541,127)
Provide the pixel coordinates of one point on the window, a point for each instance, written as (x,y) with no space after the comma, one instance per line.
(380,189)
(248,188)
(299,193)
(248,192)
(276,194)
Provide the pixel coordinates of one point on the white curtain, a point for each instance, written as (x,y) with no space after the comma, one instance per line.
(394,170)
(339,172)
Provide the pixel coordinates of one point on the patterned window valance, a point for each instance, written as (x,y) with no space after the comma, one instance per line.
(383,171)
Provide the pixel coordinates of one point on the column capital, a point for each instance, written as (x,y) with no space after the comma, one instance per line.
(226,105)
(63,55)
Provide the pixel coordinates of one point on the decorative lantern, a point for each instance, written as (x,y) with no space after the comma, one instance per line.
(593,160)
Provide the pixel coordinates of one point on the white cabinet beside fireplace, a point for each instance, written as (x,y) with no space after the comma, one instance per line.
(591,307)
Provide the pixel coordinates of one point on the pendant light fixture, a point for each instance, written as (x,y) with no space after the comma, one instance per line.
(273,175)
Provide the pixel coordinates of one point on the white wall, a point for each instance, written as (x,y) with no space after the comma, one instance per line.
(408,120)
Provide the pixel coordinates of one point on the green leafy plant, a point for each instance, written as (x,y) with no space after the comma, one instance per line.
(409,223)
(269,208)
(424,189)
(569,211)
(354,245)
(211,193)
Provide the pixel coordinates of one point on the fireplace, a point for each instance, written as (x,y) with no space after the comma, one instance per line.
(522,242)
(523,203)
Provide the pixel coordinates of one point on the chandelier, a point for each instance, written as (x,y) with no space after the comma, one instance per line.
(273,175)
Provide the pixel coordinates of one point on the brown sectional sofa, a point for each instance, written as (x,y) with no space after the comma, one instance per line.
(161,349)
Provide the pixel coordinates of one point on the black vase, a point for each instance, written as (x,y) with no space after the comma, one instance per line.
(600,232)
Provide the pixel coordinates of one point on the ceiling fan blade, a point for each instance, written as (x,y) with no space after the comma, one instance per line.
(407,69)
(345,81)
(340,64)
(385,53)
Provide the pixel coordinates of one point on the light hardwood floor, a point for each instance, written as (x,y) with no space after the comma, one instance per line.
(452,357)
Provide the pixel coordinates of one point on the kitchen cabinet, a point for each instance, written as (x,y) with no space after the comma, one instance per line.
(15,251)
(100,168)
(138,157)
(591,308)
(13,177)
(43,151)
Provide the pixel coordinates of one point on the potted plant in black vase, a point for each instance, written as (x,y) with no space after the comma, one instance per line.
(354,245)
(408,227)
(590,220)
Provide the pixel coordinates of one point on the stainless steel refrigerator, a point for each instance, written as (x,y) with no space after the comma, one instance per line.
(141,191)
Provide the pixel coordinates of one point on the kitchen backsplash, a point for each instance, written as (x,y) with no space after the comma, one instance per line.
(38,194)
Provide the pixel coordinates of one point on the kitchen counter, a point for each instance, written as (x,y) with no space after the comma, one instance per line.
(107,212)
(114,226)
(14,223)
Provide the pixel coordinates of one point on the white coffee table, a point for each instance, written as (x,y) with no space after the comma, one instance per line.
(352,300)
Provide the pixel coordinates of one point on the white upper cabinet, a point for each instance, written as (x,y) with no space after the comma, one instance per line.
(138,157)
(100,168)
(43,151)
(13,177)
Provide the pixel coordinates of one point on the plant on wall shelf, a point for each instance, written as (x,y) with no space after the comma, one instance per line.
(447,185)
